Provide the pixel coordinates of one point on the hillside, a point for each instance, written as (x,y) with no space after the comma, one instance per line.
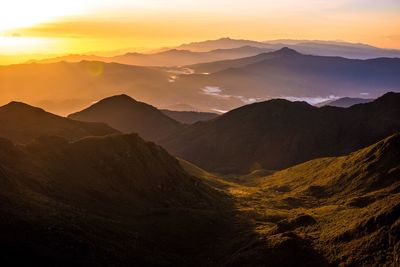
(277,134)
(113,200)
(346,207)
(130,116)
(23,123)
(337,211)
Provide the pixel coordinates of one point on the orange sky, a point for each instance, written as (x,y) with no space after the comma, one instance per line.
(76,26)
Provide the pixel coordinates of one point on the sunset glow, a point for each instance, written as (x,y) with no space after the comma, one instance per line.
(64,27)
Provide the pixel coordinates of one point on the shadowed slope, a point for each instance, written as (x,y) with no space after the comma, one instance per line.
(113,200)
(23,123)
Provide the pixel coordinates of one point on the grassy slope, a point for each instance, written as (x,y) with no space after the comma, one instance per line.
(343,210)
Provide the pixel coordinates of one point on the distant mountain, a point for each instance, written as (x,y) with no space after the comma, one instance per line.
(65,87)
(23,123)
(277,134)
(173,57)
(287,73)
(217,66)
(130,116)
(103,201)
(220,86)
(189,117)
(344,102)
(222,43)
(311,47)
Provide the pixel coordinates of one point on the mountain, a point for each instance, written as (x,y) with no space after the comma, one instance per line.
(113,200)
(23,123)
(344,102)
(212,67)
(189,117)
(65,87)
(311,47)
(278,133)
(227,48)
(130,116)
(173,57)
(222,43)
(342,211)
(287,73)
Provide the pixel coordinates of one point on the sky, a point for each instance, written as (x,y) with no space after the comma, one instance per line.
(77,26)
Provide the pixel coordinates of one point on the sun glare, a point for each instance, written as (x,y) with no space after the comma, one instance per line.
(23,13)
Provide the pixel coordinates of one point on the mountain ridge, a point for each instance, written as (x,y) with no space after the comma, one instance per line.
(280,133)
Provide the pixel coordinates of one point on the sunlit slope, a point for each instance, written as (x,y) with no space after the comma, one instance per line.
(343,211)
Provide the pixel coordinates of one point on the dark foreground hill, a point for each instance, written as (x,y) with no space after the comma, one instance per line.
(23,123)
(103,201)
(130,116)
(277,134)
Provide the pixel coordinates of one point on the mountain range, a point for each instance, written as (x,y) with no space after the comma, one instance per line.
(118,200)
(173,57)
(288,73)
(66,87)
(310,47)
(278,133)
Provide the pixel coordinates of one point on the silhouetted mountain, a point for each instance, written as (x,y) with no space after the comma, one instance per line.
(189,117)
(130,116)
(23,123)
(344,102)
(113,200)
(276,134)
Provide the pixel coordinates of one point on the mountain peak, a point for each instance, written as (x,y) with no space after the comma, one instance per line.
(121,97)
(286,51)
(15,105)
